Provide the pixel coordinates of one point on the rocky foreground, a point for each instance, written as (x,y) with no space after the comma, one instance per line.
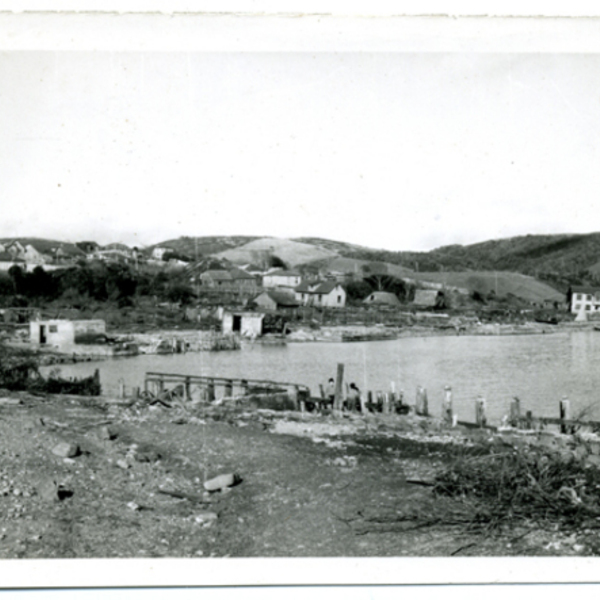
(95,477)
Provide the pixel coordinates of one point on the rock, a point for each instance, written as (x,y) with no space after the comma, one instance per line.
(107,433)
(592,461)
(66,450)
(221,481)
(123,464)
(47,489)
(206,518)
(147,455)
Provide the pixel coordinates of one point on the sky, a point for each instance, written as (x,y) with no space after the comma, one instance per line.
(393,150)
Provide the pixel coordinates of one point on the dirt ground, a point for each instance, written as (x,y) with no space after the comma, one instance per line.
(311,485)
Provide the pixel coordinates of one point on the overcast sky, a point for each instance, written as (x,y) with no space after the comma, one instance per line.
(391,150)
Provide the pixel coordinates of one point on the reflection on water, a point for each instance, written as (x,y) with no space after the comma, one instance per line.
(539,369)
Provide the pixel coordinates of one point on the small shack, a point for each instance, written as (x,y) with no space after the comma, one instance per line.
(430,299)
(63,332)
(382,299)
(248,324)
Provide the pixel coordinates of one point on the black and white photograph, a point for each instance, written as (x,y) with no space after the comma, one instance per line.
(323,298)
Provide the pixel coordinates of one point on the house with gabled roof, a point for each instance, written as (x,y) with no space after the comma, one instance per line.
(328,294)
(277,300)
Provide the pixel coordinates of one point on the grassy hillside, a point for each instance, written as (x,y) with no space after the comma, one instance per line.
(499,282)
(291,252)
(204,245)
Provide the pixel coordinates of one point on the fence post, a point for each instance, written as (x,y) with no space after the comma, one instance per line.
(210,391)
(480,417)
(565,414)
(422,408)
(515,412)
(447,406)
(229,388)
(370,401)
(188,392)
(339,380)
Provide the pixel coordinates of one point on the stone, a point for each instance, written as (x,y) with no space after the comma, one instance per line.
(66,450)
(221,481)
(206,518)
(123,464)
(47,489)
(107,433)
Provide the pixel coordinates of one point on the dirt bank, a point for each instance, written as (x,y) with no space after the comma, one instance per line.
(93,478)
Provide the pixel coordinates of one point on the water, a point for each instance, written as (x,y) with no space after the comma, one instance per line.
(539,369)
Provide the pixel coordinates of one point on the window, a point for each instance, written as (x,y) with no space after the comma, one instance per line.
(52,328)
(578,307)
(339,299)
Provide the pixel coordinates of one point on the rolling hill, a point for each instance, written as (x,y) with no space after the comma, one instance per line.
(291,252)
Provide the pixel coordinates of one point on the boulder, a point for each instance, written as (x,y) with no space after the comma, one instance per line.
(221,481)
(47,489)
(66,450)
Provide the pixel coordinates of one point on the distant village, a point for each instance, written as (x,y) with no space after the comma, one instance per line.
(258,296)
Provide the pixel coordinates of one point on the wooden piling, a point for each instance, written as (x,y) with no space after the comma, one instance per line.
(210,391)
(370,401)
(228,388)
(187,389)
(565,414)
(528,420)
(386,403)
(422,408)
(447,413)
(480,417)
(339,381)
(515,412)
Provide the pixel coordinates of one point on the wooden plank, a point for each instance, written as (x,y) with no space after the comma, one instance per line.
(339,381)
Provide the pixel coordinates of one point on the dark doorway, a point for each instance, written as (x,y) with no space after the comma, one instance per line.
(42,334)
(237,323)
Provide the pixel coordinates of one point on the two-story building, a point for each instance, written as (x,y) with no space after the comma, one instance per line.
(281,279)
(584,299)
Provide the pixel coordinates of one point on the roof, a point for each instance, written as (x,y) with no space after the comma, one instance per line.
(217,274)
(326,287)
(284,273)
(303,288)
(240,274)
(583,289)
(281,298)
(382,298)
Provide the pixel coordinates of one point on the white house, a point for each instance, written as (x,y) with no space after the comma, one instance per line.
(327,293)
(281,278)
(584,299)
(249,324)
(159,252)
(62,332)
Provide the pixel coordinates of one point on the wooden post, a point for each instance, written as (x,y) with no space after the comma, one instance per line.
(370,401)
(447,406)
(229,388)
(515,412)
(146,386)
(422,408)
(188,390)
(244,386)
(386,403)
(529,419)
(480,417)
(565,414)
(210,391)
(160,384)
(299,398)
(339,381)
